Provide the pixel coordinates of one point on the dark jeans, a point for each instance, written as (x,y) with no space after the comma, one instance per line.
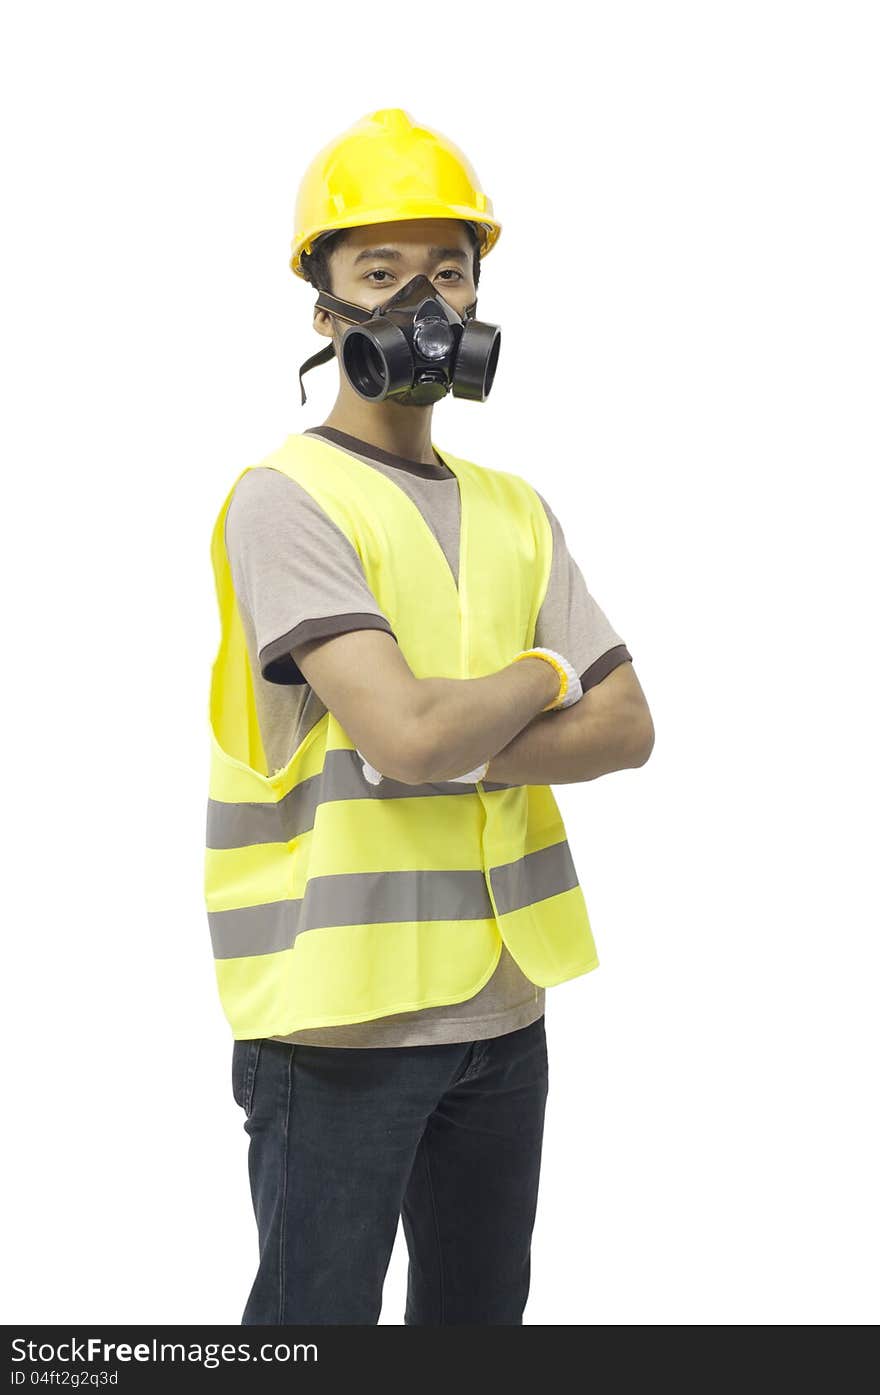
(346,1140)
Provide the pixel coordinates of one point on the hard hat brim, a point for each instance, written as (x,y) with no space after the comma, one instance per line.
(488,229)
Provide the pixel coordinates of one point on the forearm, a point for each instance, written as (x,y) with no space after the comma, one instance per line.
(461,721)
(558,748)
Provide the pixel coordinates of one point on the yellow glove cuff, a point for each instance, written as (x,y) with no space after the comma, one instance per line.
(548,659)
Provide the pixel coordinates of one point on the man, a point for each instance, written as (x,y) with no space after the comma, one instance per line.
(385,971)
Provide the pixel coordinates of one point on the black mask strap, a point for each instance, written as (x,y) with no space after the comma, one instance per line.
(322,356)
(343,310)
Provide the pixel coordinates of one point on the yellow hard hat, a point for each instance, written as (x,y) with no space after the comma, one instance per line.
(384,169)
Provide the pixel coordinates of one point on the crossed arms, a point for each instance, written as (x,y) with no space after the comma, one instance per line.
(425,730)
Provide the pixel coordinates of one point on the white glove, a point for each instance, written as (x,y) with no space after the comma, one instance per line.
(374,777)
(573,690)
(472,776)
(370,772)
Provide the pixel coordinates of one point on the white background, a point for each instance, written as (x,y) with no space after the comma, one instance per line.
(687,282)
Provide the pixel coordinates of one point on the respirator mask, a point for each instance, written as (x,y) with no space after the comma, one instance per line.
(414,348)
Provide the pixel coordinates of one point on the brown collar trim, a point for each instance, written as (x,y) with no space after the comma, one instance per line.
(385,457)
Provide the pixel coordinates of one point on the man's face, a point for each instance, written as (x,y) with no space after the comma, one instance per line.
(374,261)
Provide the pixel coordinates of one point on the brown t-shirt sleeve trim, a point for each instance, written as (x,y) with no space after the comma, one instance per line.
(276,661)
(604,664)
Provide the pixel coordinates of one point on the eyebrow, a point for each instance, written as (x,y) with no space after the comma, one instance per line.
(391,254)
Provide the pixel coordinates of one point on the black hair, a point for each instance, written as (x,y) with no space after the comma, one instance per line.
(316,264)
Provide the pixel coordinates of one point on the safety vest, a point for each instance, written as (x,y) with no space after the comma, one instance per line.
(331,900)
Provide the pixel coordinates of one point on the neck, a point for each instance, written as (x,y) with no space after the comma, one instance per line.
(404,431)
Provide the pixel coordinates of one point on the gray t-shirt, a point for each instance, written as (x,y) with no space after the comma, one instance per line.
(296,578)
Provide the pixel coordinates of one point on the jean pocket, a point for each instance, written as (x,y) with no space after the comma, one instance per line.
(245,1058)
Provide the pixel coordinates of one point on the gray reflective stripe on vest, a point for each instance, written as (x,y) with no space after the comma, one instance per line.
(350,898)
(242,825)
(533,877)
(371,898)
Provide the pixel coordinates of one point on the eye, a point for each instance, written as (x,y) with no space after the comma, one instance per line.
(381,271)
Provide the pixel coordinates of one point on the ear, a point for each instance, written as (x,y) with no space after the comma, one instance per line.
(323,322)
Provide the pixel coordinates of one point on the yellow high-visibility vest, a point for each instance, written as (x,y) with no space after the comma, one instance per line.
(331,900)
